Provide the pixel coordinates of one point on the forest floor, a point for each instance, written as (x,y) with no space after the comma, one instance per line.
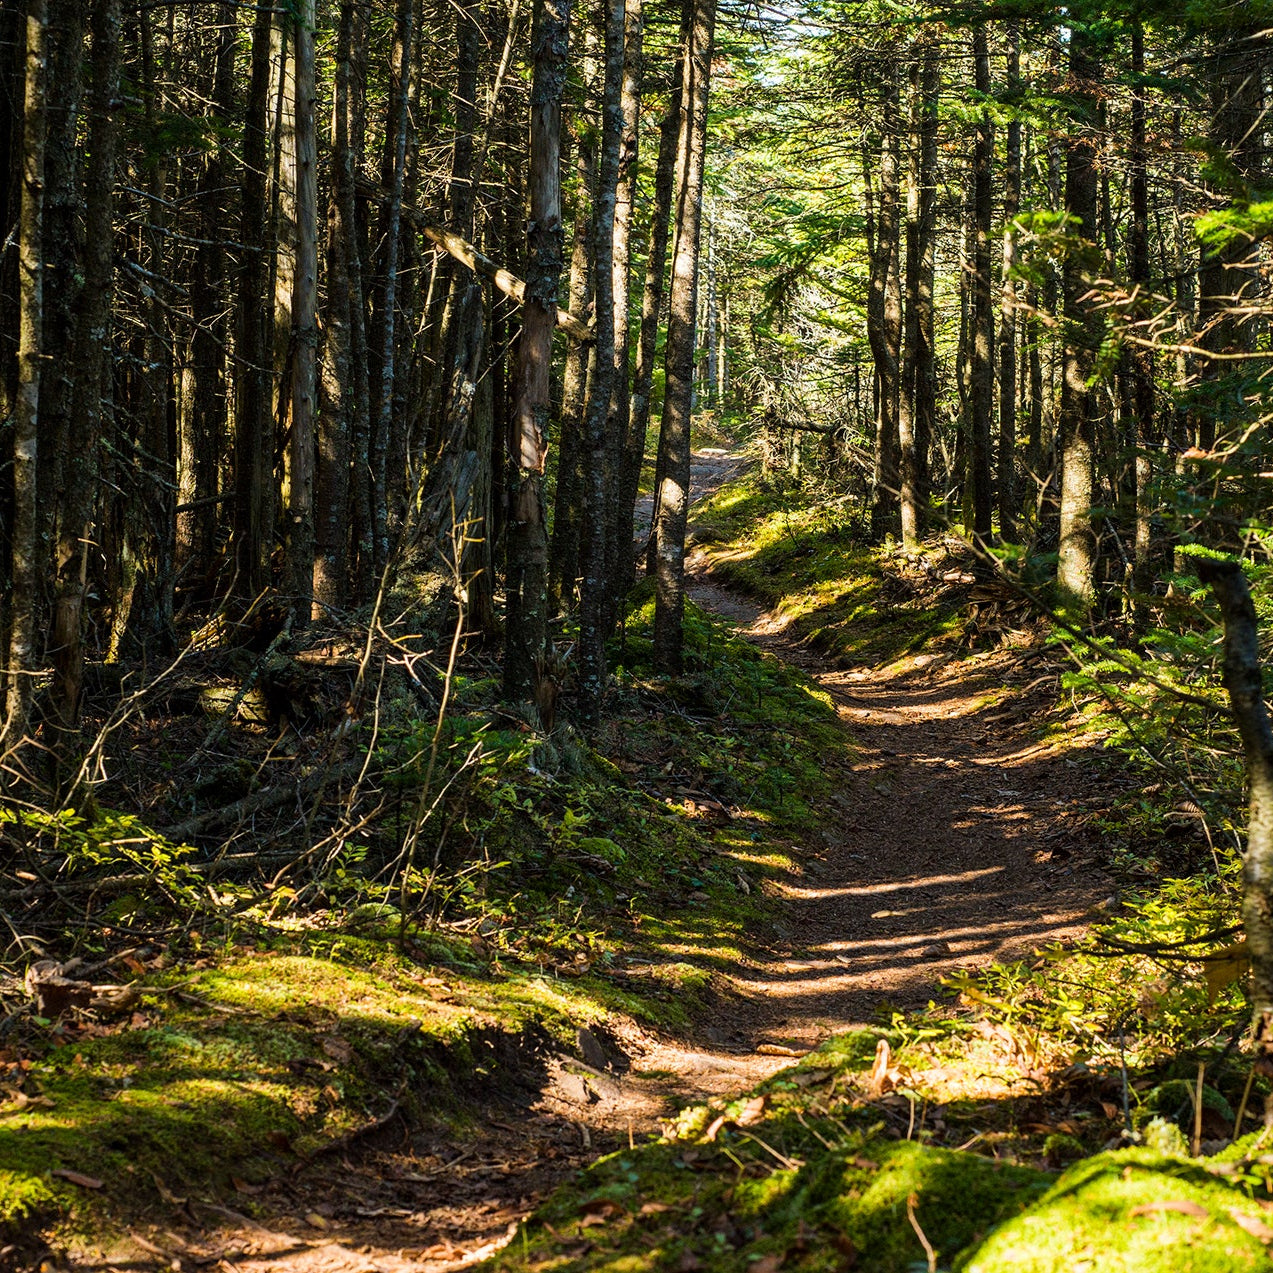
(957,836)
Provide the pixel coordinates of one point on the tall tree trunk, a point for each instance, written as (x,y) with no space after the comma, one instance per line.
(1008,505)
(526,582)
(916,401)
(1076,564)
(304,341)
(254,434)
(387,291)
(24,548)
(331,479)
(568,507)
(204,412)
(651,307)
(981,348)
(91,359)
(1142,359)
(623,499)
(672,498)
(599,463)
(884,306)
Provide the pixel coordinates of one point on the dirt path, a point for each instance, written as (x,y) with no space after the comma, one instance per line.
(952,841)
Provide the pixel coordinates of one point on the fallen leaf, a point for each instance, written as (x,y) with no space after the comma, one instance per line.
(1256,1228)
(1181,1205)
(768,1263)
(1223,967)
(314,1220)
(76,1178)
(244,1187)
(654,1208)
(806,1078)
(865,1164)
(776,1049)
(338,1049)
(714,1126)
(1110,1110)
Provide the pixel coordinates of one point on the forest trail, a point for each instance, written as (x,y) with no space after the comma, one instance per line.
(956,838)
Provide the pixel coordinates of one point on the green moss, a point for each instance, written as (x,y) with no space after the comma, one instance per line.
(1133,1211)
(808,558)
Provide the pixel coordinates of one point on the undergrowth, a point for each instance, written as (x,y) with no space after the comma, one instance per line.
(268,1014)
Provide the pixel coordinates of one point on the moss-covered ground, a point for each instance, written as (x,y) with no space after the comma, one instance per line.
(1080,1111)
(806,556)
(568,882)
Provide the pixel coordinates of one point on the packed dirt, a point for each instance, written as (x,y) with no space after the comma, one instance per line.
(955,838)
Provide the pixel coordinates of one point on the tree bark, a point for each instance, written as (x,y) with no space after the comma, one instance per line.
(24,549)
(1008,505)
(254,447)
(1243,678)
(672,498)
(304,341)
(981,348)
(526,583)
(1076,565)
(651,307)
(599,463)
(91,358)
(1142,359)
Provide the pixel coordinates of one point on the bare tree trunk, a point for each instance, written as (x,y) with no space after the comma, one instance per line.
(1008,300)
(331,482)
(598,430)
(623,496)
(1076,564)
(568,511)
(203,416)
(526,583)
(1243,678)
(254,433)
(1142,360)
(304,342)
(915,402)
(24,550)
(982,377)
(884,310)
(672,498)
(651,306)
(91,358)
(387,293)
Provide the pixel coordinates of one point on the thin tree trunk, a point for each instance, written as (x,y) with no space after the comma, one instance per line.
(24,549)
(568,513)
(651,307)
(623,497)
(981,317)
(1243,678)
(1142,359)
(672,498)
(253,447)
(304,342)
(331,482)
(598,430)
(526,582)
(1008,504)
(91,358)
(387,296)
(884,323)
(1076,564)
